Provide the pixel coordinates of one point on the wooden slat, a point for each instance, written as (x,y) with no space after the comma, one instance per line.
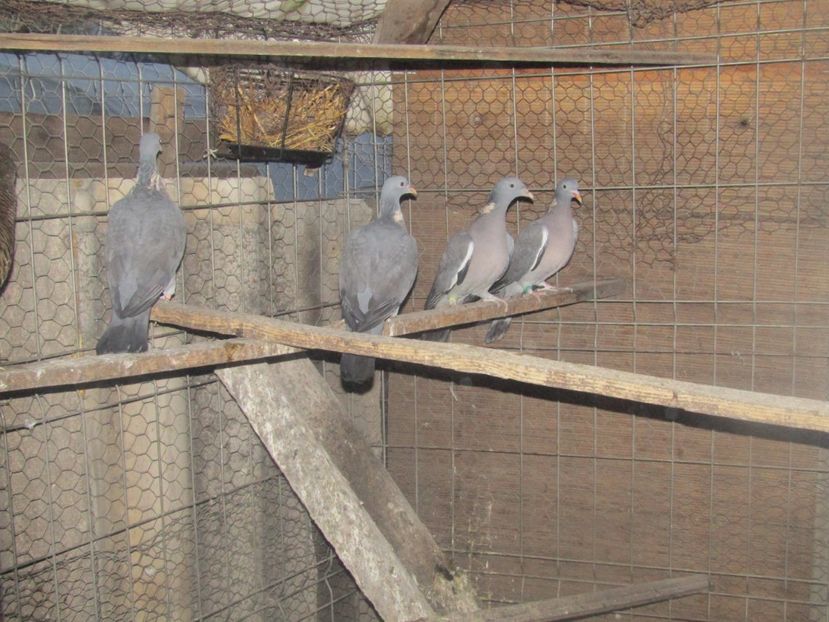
(591,603)
(420,321)
(75,371)
(351,51)
(88,369)
(276,399)
(723,402)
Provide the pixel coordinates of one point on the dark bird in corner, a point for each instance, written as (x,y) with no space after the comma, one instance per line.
(144,247)
(8,211)
(377,270)
(477,257)
(543,248)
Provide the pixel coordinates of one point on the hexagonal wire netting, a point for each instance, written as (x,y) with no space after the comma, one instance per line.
(155,499)
(705,187)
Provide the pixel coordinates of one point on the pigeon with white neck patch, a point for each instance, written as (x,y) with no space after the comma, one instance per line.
(543,248)
(477,257)
(377,270)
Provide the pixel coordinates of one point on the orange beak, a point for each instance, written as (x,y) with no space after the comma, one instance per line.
(577,197)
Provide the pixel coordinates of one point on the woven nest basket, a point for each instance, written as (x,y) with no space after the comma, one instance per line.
(263,112)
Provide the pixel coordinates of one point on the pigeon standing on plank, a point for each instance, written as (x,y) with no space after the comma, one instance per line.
(543,248)
(476,258)
(377,270)
(144,247)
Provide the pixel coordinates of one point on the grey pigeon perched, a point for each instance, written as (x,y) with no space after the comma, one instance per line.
(144,247)
(477,257)
(377,270)
(543,248)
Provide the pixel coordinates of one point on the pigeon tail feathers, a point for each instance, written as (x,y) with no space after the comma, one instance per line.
(497,329)
(441,334)
(356,371)
(128,334)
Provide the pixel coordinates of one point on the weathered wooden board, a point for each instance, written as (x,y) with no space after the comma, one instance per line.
(347,491)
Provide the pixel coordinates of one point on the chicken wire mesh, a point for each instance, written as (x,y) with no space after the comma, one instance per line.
(706,188)
(155,499)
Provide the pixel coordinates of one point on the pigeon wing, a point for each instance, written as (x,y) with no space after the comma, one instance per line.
(377,271)
(528,252)
(145,246)
(452,268)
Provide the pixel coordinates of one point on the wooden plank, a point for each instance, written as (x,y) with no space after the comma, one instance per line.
(72,371)
(764,408)
(275,402)
(86,370)
(591,603)
(397,52)
(298,398)
(420,321)
(409,21)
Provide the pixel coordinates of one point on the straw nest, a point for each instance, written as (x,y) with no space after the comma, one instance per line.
(289,112)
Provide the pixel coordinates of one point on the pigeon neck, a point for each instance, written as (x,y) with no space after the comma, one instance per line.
(562,208)
(388,208)
(500,210)
(146,172)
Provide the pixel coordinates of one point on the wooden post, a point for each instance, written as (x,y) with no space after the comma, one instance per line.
(347,491)
(166,118)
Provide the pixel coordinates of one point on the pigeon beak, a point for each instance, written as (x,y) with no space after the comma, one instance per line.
(577,197)
(528,195)
(412,191)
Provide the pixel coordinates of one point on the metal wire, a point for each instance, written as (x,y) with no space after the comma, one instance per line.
(661,502)
(155,498)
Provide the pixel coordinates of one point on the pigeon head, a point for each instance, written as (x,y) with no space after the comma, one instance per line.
(567,191)
(507,190)
(149,147)
(394,189)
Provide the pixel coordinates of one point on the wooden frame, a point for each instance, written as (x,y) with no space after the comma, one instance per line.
(385,52)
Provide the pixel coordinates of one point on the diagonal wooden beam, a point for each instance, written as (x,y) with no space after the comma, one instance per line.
(347,491)
(383,52)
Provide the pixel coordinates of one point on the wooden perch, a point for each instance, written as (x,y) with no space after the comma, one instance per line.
(420,321)
(72,371)
(591,603)
(397,52)
(724,402)
(84,370)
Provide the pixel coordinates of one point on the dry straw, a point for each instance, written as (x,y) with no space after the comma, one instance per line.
(254,112)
